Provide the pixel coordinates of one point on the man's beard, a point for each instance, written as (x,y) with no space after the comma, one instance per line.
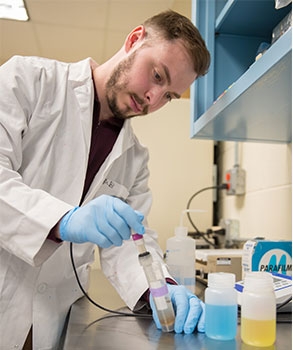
(113,87)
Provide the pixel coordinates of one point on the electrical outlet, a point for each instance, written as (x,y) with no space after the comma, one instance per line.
(235,179)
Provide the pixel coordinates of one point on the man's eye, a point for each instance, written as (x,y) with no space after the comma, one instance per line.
(168,96)
(157,76)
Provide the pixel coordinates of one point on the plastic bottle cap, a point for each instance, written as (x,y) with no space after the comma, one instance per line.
(181,231)
(258,280)
(221,280)
(136,236)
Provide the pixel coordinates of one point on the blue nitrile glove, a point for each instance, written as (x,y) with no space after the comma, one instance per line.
(104,221)
(189,310)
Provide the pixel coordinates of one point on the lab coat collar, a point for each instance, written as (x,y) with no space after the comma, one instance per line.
(80,78)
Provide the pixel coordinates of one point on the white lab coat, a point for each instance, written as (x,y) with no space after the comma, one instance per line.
(45,129)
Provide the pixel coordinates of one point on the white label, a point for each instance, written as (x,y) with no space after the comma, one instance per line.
(223,261)
(248,250)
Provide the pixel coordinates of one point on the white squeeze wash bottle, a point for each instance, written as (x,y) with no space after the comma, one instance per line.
(180,256)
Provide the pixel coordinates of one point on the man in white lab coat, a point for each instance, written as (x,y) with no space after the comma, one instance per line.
(72,170)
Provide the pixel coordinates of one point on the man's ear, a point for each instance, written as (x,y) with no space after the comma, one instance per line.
(134,37)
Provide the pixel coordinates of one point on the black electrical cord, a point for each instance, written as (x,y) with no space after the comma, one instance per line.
(220,187)
(91,300)
(125,313)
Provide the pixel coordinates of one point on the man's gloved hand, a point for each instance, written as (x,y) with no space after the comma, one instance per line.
(189,310)
(104,221)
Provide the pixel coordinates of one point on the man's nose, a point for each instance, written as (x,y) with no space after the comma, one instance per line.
(155,97)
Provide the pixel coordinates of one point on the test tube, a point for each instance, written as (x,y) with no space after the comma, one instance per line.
(159,290)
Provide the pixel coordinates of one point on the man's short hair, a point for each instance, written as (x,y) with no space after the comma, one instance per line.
(171,25)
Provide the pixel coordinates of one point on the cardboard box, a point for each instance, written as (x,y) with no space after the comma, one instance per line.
(270,256)
(218,260)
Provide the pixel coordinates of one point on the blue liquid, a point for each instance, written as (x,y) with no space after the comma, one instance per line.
(221,321)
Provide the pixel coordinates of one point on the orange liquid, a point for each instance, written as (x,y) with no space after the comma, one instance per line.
(258,333)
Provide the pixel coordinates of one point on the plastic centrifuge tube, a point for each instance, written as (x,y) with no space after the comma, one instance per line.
(159,290)
(139,242)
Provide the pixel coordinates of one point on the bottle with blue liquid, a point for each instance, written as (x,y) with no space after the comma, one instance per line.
(221,306)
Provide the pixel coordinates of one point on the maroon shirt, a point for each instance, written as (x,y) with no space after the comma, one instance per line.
(104,135)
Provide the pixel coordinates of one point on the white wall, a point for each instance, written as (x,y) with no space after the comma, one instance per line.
(179,167)
(266,208)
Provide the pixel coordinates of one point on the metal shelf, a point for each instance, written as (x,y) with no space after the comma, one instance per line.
(258,106)
(233,19)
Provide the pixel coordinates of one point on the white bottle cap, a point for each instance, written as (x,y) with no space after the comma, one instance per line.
(221,280)
(258,281)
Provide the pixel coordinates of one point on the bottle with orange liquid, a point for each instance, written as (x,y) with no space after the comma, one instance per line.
(258,310)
